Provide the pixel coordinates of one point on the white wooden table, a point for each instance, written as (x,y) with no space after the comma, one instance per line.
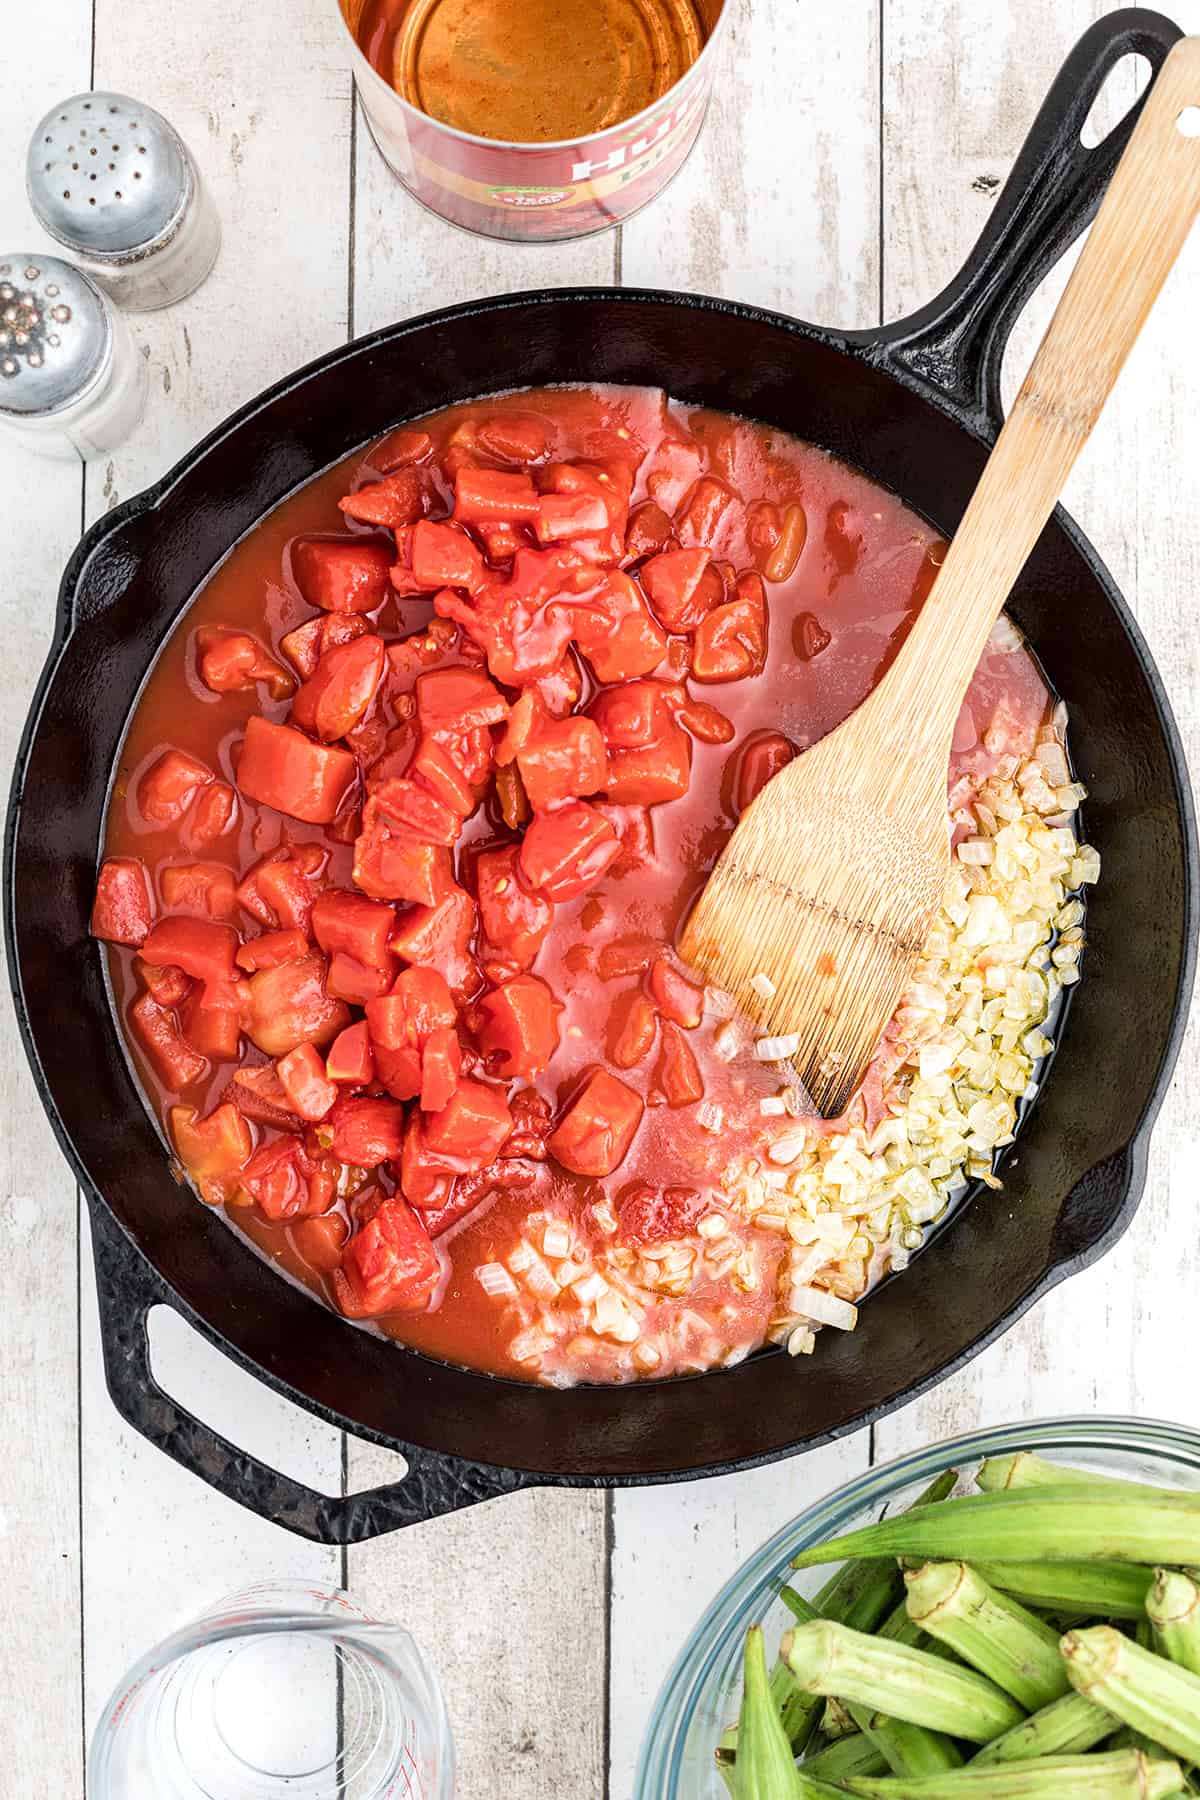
(851,156)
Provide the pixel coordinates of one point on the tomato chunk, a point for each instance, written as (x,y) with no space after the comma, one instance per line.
(437,770)
(649,753)
(282,768)
(212,1149)
(515,920)
(649,532)
(342,575)
(678,1073)
(564,759)
(482,496)
(258,1094)
(675,996)
(388,1264)
(440,938)
(319,1242)
(200,947)
(123,910)
(232,661)
(170,785)
(306,645)
(731,640)
(632,1029)
(617,632)
(458,700)
(441,1067)
(674,584)
(517,1027)
(444,557)
(469,1131)
(212,813)
(564,853)
(280,890)
(522,624)
(392,864)
(175,1063)
(599,1125)
(290,1005)
(340,690)
(398,499)
(271,948)
(209,889)
(350,1058)
(303,1079)
(168,985)
(367,1132)
(350,922)
(416,811)
(211,1023)
(285,1183)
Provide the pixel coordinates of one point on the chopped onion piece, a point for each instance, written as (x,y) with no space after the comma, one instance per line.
(825,1308)
(495,1279)
(763,986)
(777,1049)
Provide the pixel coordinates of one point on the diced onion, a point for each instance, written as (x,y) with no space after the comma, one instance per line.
(825,1308)
(763,986)
(777,1049)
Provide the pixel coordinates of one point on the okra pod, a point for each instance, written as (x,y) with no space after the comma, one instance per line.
(836,1721)
(1141,1690)
(990,1631)
(1034,1525)
(1023,1470)
(861,1594)
(855,1755)
(1119,1775)
(827,1658)
(1066,1727)
(1173,1609)
(908,1749)
(1112,1590)
(764,1767)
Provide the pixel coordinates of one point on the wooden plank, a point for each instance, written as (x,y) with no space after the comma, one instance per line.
(959,93)
(39,1502)
(778,205)
(487,1591)
(158,1545)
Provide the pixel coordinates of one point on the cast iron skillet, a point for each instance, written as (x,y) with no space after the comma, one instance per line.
(913,405)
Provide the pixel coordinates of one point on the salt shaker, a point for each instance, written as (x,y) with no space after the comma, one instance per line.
(72,381)
(114,183)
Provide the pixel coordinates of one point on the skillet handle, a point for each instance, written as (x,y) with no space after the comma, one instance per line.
(954,346)
(127,1289)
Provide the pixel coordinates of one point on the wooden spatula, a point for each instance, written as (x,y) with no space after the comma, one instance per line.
(831,881)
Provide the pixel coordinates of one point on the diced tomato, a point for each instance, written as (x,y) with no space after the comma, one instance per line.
(367,1132)
(306,645)
(634,826)
(280,890)
(564,853)
(123,910)
(514,919)
(562,687)
(584,503)
(232,661)
(168,985)
(565,758)
(414,811)
(285,1182)
(213,1149)
(200,947)
(319,1242)
(516,1026)
(394,865)
(396,500)
(427,999)
(388,1265)
(212,1030)
(289,1005)
(350,922)
(482,496)
(514,436)
(441,1066)
(699,518)
(598,1126)
(175,1063)
(731,640)
(674,583)
(617,632)
(350,1058)
(209,889)
(468,1132)
(631,1031)
(403,447)
(258,1094)
(678,1073)
(523,624)
(339,692)
(445,557)
(357,982)
(675,996)
(271,948)
(211,815)
(649,533)
(280,767)
(440,938)
(303,1079)
(652,773)
(342,575)
(458,699)
(170,785)
(437,770)
(651,1215)
(561,517)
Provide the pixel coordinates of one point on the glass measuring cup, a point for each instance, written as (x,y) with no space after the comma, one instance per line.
(284,1689)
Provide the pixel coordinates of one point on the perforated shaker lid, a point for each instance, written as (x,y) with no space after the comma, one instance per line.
(54,333)
(106,175)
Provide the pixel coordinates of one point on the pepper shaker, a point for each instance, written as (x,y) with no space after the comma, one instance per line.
(115,184)
(72,381)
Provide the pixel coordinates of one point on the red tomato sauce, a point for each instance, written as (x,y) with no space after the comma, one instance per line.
(729,595)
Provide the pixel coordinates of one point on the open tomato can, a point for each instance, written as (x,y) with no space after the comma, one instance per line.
(538,185)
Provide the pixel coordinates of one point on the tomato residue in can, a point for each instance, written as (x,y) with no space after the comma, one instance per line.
(531,71)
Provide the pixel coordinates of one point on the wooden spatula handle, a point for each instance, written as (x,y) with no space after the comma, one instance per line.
(1141,227)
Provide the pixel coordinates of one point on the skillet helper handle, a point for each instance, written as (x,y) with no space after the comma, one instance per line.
(1141,227)
(955,344)
(127,1290)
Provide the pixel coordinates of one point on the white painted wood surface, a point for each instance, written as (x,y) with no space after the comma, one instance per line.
(850,159)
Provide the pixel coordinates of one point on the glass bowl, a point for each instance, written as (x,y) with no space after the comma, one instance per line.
(702,1692)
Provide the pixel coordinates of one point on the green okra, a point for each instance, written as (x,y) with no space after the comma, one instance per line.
(828,1658)
(837,1721)
(861,1594)
(1066,1727)
(1119,1775)
(846,1756)
(908,1749)
(1173,1609)
(1023,1469)
(1112,1590)
(1033,1525)
(991,1631)
(764,1769)
(1141,1690)
(898,1628)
